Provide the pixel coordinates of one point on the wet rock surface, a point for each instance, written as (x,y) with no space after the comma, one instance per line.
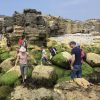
(93,59)
(21,93)
(62,91)
(71,91)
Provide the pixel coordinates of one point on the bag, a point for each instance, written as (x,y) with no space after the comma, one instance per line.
(53,51)
(83,55)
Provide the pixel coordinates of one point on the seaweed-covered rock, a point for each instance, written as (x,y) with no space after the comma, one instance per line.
(93,59)
(4,54)
(7,64)
(45,75)
(86,69)
(10,77)
(62,59)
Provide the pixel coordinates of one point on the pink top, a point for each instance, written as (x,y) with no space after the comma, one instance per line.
(22,58)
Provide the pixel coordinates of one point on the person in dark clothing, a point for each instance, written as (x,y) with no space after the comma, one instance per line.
(76,65)
(8,41)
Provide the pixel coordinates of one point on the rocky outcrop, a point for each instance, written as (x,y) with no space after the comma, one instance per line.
(21,93)
(62,91)
(62,60)
(93,59)
(71,91)
(8,21)
(45,75)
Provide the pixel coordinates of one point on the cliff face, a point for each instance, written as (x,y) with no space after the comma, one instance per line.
(34,20)
(38,27)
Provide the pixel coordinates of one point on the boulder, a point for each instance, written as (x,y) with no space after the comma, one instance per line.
(11,76)
(9,29)
(62,59)
(7,64)
(44,75)
(93,59)
(86,70)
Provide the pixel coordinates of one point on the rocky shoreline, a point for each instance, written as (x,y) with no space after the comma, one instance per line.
(50,81)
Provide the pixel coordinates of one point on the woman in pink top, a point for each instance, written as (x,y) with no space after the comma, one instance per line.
(22,58)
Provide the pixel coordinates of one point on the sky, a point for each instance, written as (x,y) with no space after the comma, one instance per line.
(69,9)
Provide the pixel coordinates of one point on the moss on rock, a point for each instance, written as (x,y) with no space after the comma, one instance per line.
(4,56)
(9,78)
(96,69)
(62,59)
(63,74)
(86,69)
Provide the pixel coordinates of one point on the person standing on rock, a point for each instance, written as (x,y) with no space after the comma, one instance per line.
(76,65)
(8,42)
(22,58)
(44,57)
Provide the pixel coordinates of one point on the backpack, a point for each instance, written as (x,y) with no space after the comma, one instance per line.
(83,55)
(53,51)
(24,43)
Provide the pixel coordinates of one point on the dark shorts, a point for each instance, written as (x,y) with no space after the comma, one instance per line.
(23,69)
(44,59)
(76,72)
